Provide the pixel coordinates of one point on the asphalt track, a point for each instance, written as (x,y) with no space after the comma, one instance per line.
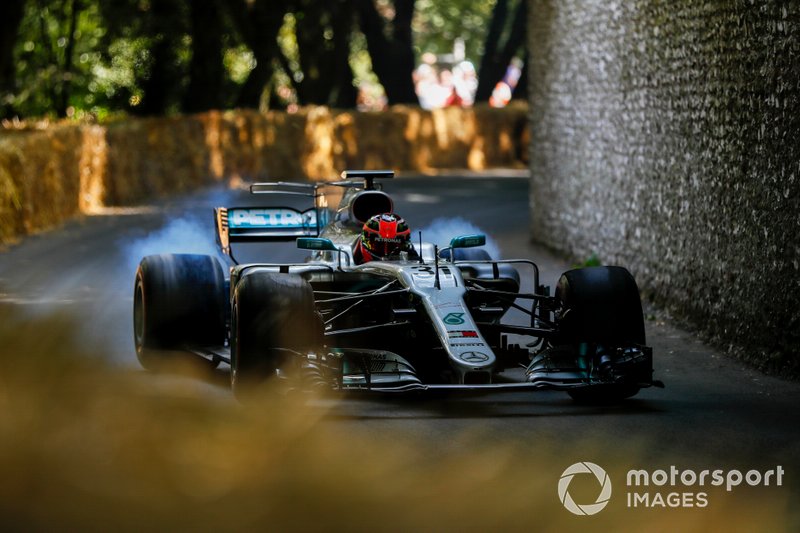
(714,412)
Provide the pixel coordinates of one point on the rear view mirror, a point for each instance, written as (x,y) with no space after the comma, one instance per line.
(467,241)
(316,243)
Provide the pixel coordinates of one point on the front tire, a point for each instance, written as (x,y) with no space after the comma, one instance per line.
(273,318)
(178,300)
(601,308)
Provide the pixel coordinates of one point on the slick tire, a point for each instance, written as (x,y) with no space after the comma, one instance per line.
(178,300)
(604,308)
(273,319)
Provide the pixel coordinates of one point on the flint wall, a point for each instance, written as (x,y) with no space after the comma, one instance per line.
(666,138)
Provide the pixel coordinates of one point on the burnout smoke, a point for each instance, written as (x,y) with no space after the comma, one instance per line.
(441,230)
(180,236)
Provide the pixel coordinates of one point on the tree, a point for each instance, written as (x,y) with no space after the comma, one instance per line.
(319,67)
(62,98)
(206,71)
(9,29)
(258,23)
(391,49)
(438,24)
(153,57)
(521,90)
(497,54)
(164,23)
(54,56)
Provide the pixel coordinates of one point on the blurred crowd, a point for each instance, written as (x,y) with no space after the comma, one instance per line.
(441,84)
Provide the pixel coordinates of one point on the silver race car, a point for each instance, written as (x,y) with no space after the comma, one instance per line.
(422,320)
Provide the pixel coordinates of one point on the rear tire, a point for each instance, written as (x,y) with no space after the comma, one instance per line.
(178,300)
(273,316)
(603,308)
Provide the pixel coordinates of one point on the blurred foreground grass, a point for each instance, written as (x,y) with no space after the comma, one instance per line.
(88,447)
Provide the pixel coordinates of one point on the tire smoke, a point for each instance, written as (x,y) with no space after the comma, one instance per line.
(442,230)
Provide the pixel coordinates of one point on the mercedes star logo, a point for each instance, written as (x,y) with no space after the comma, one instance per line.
(474,357)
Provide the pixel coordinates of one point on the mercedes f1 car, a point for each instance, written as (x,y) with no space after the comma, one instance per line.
(437,319)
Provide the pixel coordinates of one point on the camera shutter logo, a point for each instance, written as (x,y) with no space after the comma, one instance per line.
(586,509)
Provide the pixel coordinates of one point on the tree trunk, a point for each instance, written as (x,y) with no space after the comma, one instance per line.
(206,71)
(521,91)
(315,57)
(488,69)
(515,41)
(403,53)
(344,94)
(258,22)
(497,58)
(162,83)
(392,60)
(9,30)
(62,103)
(323,33)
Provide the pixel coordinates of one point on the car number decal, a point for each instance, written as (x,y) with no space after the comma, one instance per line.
(425,276)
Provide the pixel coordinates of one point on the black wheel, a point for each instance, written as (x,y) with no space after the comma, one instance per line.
(601,308)
(273,318)
(178,300)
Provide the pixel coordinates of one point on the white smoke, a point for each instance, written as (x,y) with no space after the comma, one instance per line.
(442,230)
(180,236)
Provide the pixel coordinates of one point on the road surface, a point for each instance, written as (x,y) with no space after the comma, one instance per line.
(713,413)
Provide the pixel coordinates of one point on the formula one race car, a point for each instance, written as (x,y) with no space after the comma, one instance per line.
(425,319)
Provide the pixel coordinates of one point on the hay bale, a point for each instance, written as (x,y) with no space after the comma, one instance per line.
(53,172)
(11,223)
(500,135)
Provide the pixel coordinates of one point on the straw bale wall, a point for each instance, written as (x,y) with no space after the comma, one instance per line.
(50,174)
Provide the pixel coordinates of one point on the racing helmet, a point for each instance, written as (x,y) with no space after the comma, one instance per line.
(384,235)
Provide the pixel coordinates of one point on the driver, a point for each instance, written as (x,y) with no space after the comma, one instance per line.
(383,236)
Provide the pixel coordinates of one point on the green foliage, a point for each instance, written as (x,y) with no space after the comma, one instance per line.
(98,58)
(591,261)
(46,71)
(439,23)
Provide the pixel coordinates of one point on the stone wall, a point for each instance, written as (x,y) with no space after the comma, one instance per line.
(666,138)
(50,174)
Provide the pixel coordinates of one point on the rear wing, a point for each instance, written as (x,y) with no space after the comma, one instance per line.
(263,224)
(368,176)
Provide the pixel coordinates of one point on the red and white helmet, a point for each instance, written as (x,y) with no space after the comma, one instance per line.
(384,235)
